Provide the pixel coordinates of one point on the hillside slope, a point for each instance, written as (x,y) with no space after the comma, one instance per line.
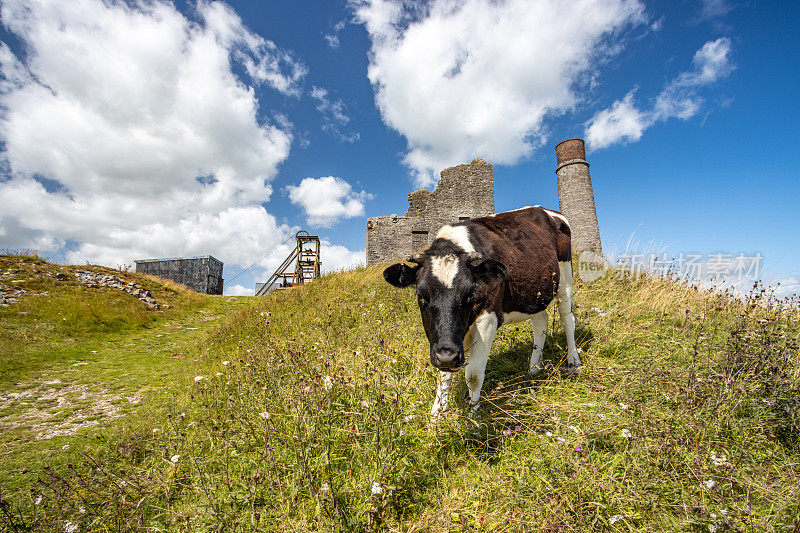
(311,414)
(82,349)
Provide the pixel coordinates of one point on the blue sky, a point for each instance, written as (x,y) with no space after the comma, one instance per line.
(134,130)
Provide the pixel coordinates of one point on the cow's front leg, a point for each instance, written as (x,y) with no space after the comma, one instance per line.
(484,330)
(442,401)
(539,322)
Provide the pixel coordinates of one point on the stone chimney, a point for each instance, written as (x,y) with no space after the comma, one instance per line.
(575,196)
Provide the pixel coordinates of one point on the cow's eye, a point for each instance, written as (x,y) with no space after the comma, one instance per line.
(422,300)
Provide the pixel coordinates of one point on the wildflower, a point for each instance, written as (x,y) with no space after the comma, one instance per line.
(377,490)
(409,418)
(226,363)
(175,458)
(712,528)
(38,500)
(625,434)
(578,449)
(365,404)
(156,430)
(325,487)
(69,527)
(548,434)
(718,460)
(219,374)
(328,383)
(183,415)
(198,378)
(623,406)
(264,415)
(517,428)
(561,439)
(507,432)
(82,509)
(575,429)
(614,519)
(709,484)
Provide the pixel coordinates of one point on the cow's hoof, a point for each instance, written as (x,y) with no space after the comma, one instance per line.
(535,370)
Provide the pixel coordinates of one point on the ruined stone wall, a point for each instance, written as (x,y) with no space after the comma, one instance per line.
(463,192)
(576,197)
(202,274)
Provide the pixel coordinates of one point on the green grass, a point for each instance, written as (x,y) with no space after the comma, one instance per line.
(684,417)
(78,362)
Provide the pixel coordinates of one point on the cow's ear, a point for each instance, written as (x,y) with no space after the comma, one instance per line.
(401,275)
(487,270)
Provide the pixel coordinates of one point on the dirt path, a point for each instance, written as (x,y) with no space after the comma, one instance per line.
(104,382)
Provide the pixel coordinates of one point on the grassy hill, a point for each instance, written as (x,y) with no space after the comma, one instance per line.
(308,410)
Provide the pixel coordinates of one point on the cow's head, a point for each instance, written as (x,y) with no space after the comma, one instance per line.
(452,288)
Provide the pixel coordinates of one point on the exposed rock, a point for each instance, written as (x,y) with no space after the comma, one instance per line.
(95,280)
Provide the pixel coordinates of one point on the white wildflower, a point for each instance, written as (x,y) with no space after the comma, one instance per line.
(156,430)
(712,528)
(575,429)
(709,484)
(718,460)
(625,434)
(561,439)
(264,415)
(325,487)
(219,374)
(548,434)
(38,500)
(365,404)
(409,418)
(623,406)
(328,383)
(614,519)
(82,509)
(377,490)
(175,458)
(69,527)
(602,416)
(226,363)
(198,378)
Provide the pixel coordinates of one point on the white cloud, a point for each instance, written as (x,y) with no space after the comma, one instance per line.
(624,122)
(239,290)
(478,78)
(150,145)
(327,200)
(334,117)
(336,257)
(332,38)
(714,8)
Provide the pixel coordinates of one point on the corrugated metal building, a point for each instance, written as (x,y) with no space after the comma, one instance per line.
(202,274)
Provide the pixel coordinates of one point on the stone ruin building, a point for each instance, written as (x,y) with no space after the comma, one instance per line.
(202,274)
(463,192)
(467,191)
(576,197)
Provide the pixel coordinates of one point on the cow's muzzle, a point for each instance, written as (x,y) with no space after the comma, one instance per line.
(447,359)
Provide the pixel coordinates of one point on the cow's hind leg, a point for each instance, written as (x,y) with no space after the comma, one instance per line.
(565,311)
(442,401)
(539,322)
(483,334)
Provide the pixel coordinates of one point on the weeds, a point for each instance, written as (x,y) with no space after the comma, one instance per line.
(311,414)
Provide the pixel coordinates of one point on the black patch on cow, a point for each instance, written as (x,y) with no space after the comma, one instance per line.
(401,275)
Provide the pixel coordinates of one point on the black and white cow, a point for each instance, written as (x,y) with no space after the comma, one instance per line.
(485,272)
